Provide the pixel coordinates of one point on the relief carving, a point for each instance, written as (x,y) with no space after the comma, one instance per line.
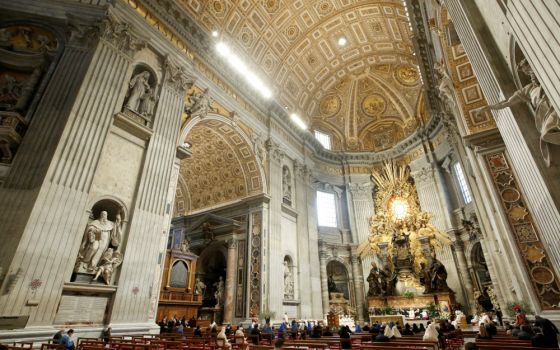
(199,104)
(176,78)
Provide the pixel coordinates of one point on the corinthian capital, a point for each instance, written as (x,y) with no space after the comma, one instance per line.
(121,35)
(360,189)
(82,33)
(176,77)
(275,153)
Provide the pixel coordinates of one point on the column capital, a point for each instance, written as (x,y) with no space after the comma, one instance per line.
(275,153)
(176,78)
(121,35)
(360,190)
(231,243)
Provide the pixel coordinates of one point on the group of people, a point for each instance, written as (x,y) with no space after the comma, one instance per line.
(175,325)
(66,338)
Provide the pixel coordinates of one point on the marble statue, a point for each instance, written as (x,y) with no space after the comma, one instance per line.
(98,236)
(288,282)
(200,103)
(138,86)
(184,246)
(426,278)
(219,293)
(199,287)
(147,103)
(445,87)
(286,184)
(547,120)
(109,261)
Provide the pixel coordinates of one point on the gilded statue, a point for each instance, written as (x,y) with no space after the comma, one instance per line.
(547,121)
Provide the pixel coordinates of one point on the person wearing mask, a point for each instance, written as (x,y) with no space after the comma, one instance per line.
(66,341)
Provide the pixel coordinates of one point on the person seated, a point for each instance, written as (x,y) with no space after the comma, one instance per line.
(366,328)
(492,329)
(515,331)
(471,346)
(317,332)
(415,328)
(549,332)
(407,330)
(388,332)
(381,338)
(229,329)
(197,332)
(525,333)
(328,332)
(279,344)
(431,333)
(422,329)
(396,332)
(66,340)
(344,333)
(358,328)
(256,334)
(106,334)
(192,322)
(483,333)
(58,336)
(222,338)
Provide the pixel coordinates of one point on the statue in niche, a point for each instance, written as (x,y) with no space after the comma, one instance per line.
(332,285)
(147,103)
(288,282)
(184,246)
(547,121)
(99,236)
(138,86)
(199,287)
(287,185)
(200,103)
(109,261)
(219,293)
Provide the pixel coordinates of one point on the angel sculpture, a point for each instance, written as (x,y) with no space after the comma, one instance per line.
(109,261)
(436,237)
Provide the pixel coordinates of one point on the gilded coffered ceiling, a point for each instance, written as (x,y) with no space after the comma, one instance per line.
(228,163)
(369,86)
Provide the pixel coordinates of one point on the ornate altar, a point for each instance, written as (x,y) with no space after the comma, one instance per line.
(401,235)
(181,292)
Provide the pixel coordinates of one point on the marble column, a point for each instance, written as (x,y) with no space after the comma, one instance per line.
(304,261)
(275,256)
(358,286)
(465,276)
(230,281)
(324,283)
(361,209)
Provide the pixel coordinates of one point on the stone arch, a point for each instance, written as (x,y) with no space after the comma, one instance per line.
(223,167)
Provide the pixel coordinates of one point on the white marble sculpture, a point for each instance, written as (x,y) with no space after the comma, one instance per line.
(99,235)
(547,121)
(199,287)
(219,293)
(110,260)
(138,86)
(288,282)
(200,103)
(147,103)
(287,184)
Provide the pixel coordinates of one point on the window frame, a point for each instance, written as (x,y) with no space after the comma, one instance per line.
(335,219)
(326,136)
(462,184)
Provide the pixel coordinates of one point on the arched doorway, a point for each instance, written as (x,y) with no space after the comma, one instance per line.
(211,270)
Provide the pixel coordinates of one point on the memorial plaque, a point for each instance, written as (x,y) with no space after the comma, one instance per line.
(13,322)
(81,309)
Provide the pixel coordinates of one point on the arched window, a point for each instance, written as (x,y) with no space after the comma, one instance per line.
(179,275)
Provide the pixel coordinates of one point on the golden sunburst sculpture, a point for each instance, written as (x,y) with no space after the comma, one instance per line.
(398,215)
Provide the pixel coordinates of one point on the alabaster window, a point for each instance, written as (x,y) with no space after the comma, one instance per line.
(326,209)
(179,273)
(462,183)
(324,139)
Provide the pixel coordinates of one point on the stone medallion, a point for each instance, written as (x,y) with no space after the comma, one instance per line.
(373,105)
(510,195)
(330,105)
(542,275)
(407,74)
(534,254)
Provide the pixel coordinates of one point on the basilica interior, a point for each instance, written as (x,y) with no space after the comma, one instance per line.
(229,162)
